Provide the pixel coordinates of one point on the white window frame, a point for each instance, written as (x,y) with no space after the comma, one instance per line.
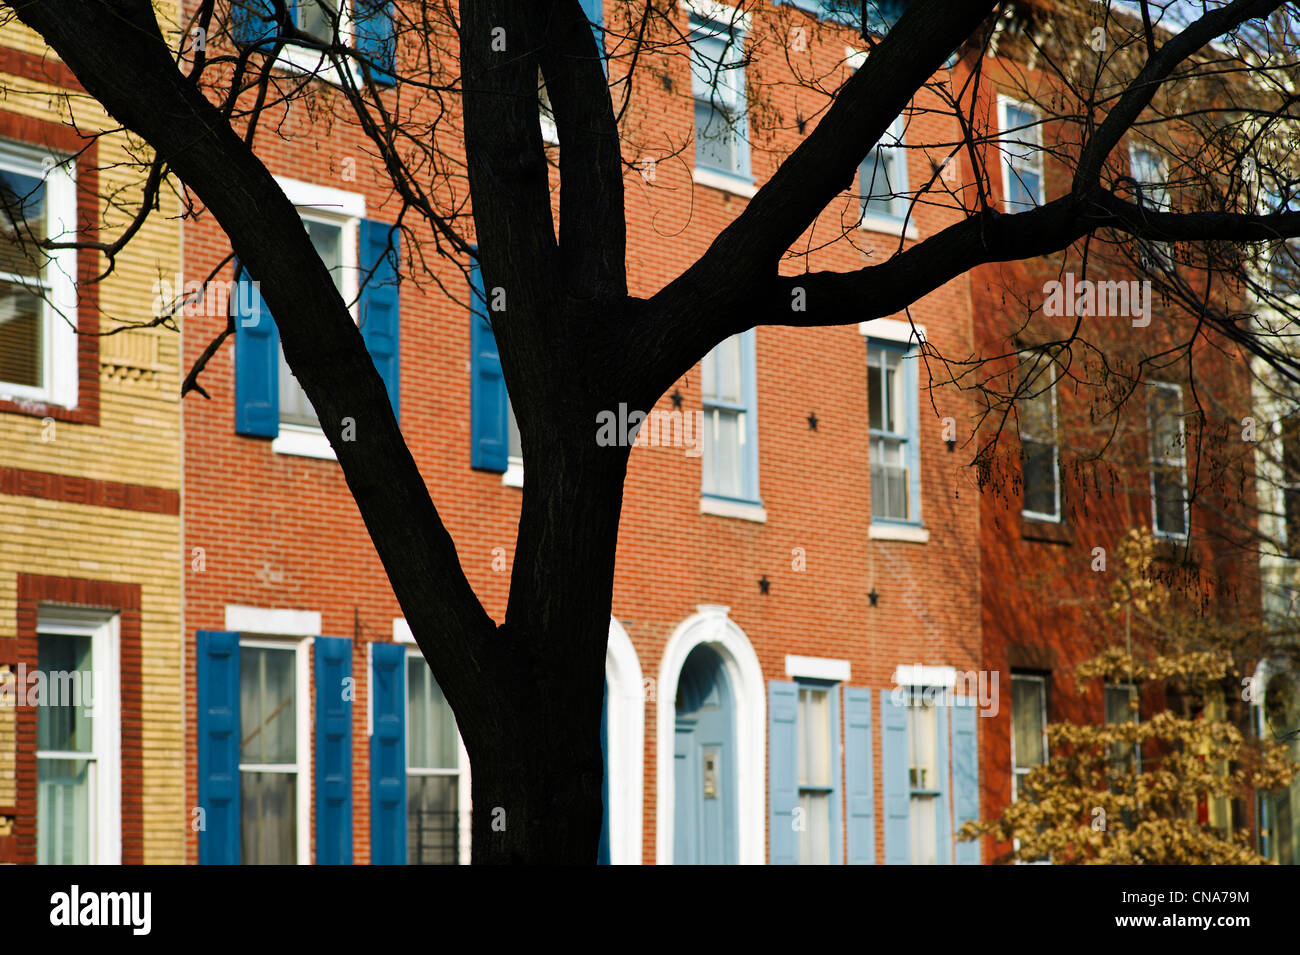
(1037,357)
(104,633)
(1010,147)
(463,788)
(1180,461)
(330,206)
(1016,772)
(59,298)
(934,795)
(724,19)
(301,646)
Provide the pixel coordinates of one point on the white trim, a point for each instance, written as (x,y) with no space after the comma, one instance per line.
(719,507)
(908,674)
(313,197)
(626,739)
(723,182)
(870,222)
(303,441)
(911,533)
(513,476)
(854,59)
(1004,158)
(300,644)
(711,626)
(719,13)
(892,330)
(104,830)
(287,623)
(402,631)
(817,668)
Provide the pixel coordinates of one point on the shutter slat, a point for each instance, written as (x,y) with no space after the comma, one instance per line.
(897,791)
(783,770)
(333,751)
(388,754)
(257,363)
(965,777)
(381,304)
(218,729)
(860,789)
(490,450)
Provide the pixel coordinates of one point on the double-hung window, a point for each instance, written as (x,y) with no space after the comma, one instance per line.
(367,26)
(1028,727)
(730,458)
(892,424)
(882,179)
(274,752)
(717,52)
(38,310)
(1150,172)
(1022,155)
(1122,707)
(1168,460)
(1289,485)
(1039,450)
(77,741)
(433,770)
(817,758)
(923,781)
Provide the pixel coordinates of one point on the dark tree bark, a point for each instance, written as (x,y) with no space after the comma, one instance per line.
(527,694)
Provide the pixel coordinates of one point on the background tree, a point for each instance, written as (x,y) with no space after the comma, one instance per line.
(458,134)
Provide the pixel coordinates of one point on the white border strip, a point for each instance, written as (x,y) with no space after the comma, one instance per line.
(817,668)
(287,623)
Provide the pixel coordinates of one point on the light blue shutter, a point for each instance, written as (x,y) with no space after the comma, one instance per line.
(252,21)
(333,750)
(943,833)
(783,770)
(257,363)
(388,754)
(965,777)
(373,22)
(897,789)
(380,303)
(218,718)
(490,448)
(860,792)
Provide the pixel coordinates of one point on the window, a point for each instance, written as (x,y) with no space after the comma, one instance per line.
(923,781)
(881,14)
(1122,707)
(1289,485)
(274,751)
(816,735)
(1022,155)
(1039,451)
(718,86)
(38,305)
(1168,460)
(327,238)
(892,425)
(1028,726)
(364,25)
(882,177)
(433,811)
(730,458)
(78,813)
(1152,178)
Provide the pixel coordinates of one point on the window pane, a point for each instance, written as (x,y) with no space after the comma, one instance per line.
(267,706)
(815,839)
(22,342)
(514,443)
(22,223)
(921,736)
(63,811)
(893,394)
(722,376)
(327,240)
(432,820)
(314,17)
(1038,461)
(923,824)
(268,827)
(66,662)
(1028,715)
(877,176)
(715,139)
(1171,500)
(431,726)
(295,408)
(814,738)
(890,479)
(722,459)
(1165,406)
(875,395)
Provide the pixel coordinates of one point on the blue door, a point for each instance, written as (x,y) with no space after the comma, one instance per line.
(704,764)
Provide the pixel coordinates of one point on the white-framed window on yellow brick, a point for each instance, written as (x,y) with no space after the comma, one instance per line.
(38,303)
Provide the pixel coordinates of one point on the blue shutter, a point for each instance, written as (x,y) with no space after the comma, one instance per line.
(252,21)
(893,773)
(595,11)
(783,770)
(380,303)
(911,389)
(333,751)
(965,777)
(388,754)
(218,717)
(373,22)
(490,450)
(943,833)
(602,854)
(860,792)
(257,363)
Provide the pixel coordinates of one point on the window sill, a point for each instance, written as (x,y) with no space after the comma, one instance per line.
(911,533)
(724,182)
(303,442)
(721,507)
(899,228)
(513,476)
(1039,528)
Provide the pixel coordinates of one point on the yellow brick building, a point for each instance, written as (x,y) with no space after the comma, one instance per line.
(91,702)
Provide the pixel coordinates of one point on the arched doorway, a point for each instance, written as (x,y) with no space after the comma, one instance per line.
(704,763)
